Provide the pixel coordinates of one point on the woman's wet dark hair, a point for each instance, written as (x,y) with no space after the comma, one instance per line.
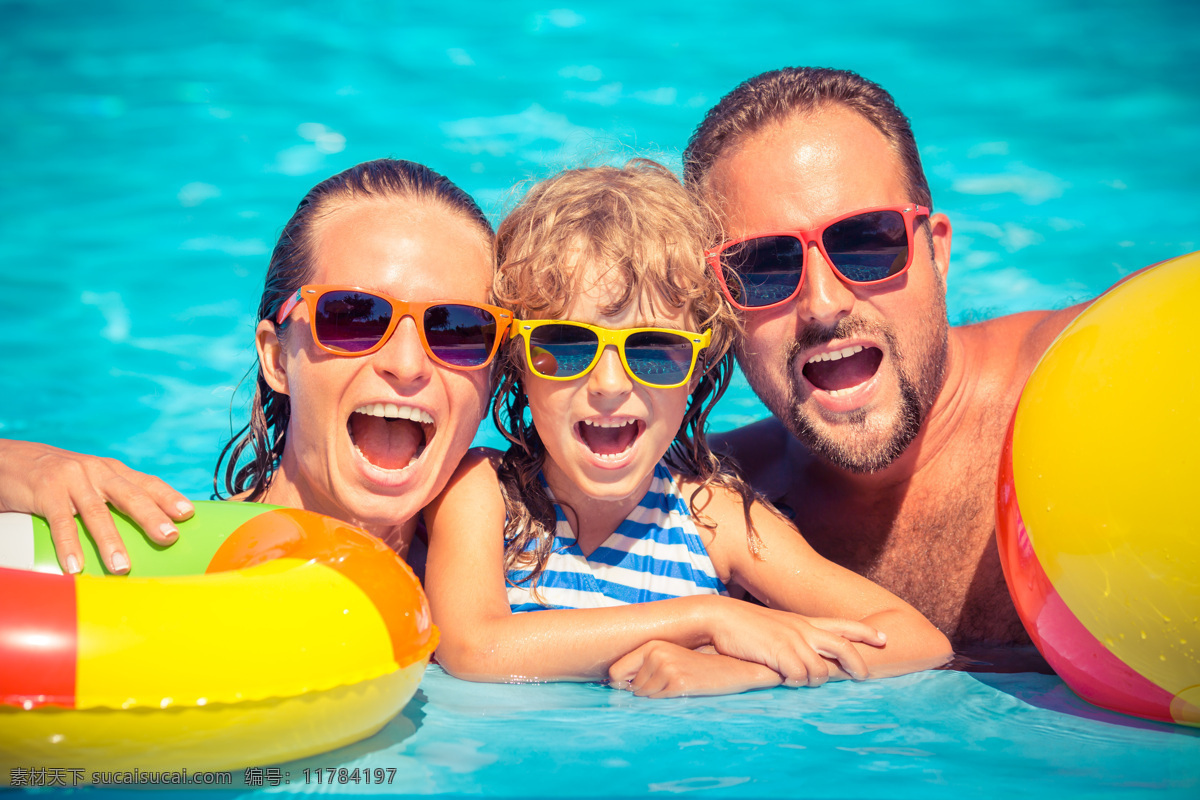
(249,460)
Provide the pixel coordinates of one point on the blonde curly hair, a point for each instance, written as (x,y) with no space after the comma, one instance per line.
(649,232)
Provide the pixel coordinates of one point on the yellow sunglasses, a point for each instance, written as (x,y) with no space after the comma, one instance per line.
(560,350)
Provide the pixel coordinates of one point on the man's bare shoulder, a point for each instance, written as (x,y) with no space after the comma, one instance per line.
(761,451)
(1007,348)
(1022,339)
(760,439)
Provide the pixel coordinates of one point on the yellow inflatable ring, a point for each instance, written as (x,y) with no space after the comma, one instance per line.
(264,634)
(1098,529)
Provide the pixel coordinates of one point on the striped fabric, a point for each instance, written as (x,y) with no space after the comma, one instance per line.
(654,554)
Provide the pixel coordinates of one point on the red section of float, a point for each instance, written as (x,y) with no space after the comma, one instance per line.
(38,640)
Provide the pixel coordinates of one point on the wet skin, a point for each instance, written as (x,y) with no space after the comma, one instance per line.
(920,523)
(411,251)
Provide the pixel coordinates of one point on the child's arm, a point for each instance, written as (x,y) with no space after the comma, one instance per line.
(483,640)
(788,574)
(661,669)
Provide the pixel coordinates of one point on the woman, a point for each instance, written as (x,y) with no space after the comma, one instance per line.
(362,416)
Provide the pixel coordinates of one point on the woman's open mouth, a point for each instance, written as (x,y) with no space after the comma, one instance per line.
(390,436)
(610,440)
(840,371)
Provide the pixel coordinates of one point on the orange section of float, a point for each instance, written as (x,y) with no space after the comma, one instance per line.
(1105,452)
(351,553)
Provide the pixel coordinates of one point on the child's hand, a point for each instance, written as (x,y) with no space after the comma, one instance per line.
(803,650)
(661,669)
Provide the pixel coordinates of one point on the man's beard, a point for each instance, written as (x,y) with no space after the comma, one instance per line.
(862,442)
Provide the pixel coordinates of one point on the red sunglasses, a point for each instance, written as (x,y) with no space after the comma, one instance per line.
(864,247)
(347,321)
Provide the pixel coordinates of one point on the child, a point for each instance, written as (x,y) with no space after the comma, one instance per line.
(609,517)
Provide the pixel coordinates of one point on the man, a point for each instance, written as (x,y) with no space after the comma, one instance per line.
(888,424)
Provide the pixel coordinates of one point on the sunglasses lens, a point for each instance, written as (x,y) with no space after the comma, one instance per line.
(351,322)
(659,358)
(461,336)
(868,247)
(763,271)
(561,351)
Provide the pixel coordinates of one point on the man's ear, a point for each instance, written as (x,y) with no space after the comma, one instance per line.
(270,356)
(940,233)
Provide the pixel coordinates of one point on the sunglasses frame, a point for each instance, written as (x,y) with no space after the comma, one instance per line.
(909,211)
(311,293)
(617,337)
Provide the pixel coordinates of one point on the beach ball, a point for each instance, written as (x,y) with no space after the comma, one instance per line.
(1098,503)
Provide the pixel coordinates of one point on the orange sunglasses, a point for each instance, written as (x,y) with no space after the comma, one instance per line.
(348,321)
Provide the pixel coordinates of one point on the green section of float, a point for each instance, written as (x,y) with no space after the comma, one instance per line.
(199,539)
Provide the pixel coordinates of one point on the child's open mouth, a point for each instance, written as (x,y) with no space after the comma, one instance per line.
(842,370)
(610,439)
(390,436)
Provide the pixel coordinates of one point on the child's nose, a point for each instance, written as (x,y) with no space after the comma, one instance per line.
(609,376)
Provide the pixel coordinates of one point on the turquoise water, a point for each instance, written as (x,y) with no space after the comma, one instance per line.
(152,153)
(941,734)
(994,735)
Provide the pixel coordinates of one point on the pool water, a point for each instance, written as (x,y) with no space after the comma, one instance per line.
(993,735)
(152,153)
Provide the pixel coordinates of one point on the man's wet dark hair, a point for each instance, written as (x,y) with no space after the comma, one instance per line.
(773,97)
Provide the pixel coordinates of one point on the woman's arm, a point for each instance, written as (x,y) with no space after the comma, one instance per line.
(483,640)
(786,573)
(58,484)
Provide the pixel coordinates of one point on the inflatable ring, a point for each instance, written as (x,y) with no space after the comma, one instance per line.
(262,635)
(1097,526)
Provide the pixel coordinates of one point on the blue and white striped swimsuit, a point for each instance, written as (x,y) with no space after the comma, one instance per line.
(654,554)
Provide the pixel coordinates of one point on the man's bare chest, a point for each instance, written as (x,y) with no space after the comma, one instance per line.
(933,546)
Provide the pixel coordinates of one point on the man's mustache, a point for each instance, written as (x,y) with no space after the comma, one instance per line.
(817,335)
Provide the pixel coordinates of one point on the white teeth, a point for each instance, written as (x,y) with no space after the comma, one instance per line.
(836,355)
(604,424)
(611,424)
(393,411)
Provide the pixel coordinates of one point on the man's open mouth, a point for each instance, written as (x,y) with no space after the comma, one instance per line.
(610,440)
(390,436)
(842,370)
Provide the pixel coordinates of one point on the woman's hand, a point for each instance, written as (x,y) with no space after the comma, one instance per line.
(806,651)
(58,484)
(662,669)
